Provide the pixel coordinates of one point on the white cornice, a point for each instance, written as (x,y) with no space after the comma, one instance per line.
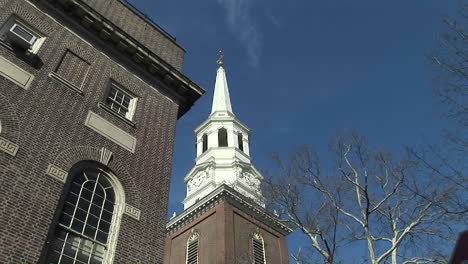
(225,192)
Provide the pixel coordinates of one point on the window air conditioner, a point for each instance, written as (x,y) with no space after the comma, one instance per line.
(21,37)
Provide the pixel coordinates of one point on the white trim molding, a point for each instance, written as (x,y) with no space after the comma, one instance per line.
(8,146)
(106,156)
(15,74)
(133,212)
(57,173)
(102,126)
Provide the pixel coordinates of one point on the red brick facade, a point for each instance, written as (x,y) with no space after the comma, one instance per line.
(45,123)
(226,223)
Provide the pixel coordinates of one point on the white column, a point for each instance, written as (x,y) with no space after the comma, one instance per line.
(246,144)
(199,145)
(213,139)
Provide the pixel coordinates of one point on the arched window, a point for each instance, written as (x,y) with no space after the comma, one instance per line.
(240,141)
(204,143)
(88,220)
(192,248)
(258,249)
(222,137)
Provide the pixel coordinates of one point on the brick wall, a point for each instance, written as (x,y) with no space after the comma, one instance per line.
(47,121)
(137,27)
(226,238)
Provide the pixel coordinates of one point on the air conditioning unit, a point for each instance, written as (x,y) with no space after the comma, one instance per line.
(21,37)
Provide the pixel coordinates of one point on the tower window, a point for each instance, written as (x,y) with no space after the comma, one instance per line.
(258,249)
(240,141)
(222,137)
(192,249)
(204,143)
(86,217)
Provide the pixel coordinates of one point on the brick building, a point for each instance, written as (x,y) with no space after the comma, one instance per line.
(224,219)
(90,92)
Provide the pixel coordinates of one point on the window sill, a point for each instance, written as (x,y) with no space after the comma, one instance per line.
(109,110)
(68,84)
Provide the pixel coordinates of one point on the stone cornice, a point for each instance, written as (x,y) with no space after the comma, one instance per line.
(184,90)
(226,193)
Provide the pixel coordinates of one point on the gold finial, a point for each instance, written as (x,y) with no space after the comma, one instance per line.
(220,59)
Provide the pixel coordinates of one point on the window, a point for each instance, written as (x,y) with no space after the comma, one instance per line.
(19,34)
(192,248)
(204,143)
(258,249)
(222,137)
(240,141)
(88,217)
(120,101)
(72,71)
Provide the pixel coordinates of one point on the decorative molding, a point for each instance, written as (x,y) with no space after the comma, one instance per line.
(12,72)
(57,173)
(111,131)
(106,156)
(226,193)
(8,146)
(257,235)
(133,212)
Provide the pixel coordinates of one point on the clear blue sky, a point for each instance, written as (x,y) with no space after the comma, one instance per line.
(300,71)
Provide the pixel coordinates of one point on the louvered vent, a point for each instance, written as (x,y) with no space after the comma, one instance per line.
(259,254)
(192,252)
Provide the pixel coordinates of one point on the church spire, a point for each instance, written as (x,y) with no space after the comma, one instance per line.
(223,152)
(221,99)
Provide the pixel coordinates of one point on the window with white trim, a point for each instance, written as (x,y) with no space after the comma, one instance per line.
(258,246)
(17,33)
(89,219)
(192,248)
(121,101)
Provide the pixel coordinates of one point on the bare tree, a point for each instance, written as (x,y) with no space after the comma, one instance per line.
(311,212)
(451,61)
(395,208)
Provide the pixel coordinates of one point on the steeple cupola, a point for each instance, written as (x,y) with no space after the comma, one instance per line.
(223,153)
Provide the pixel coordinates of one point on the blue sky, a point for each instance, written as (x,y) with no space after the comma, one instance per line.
(300,71)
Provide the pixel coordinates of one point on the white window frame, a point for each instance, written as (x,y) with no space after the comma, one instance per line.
(119,208)
(132,104)
(258,237)
(15,21)
(195,236)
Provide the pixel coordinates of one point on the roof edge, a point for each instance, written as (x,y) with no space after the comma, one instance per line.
(225,192)
(151,22)
(182,88)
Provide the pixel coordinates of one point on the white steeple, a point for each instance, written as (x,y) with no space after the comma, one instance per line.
(223,154)
(221,99)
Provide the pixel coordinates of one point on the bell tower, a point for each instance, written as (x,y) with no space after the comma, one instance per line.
(224,218)
(223,155)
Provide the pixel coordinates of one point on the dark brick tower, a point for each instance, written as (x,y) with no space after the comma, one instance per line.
(90,92)
(224,220)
